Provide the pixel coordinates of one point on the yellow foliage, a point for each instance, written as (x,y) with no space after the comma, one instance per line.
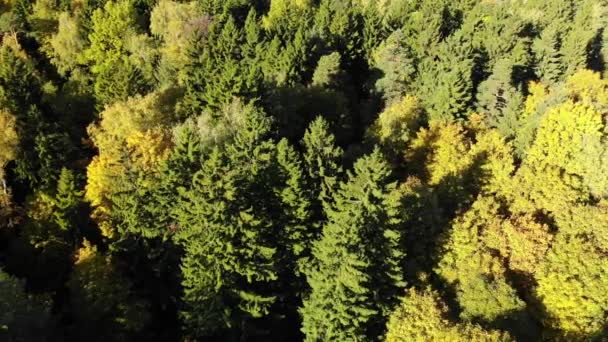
(588,87)
(572,287)
(148,149)
(9,140)
(282,8)
(566,162)
(137,114)
(421,317)
(85,253)
(477,274)
(520,240)
(445,147)
(12,42)
(40,207)
(398,122)
(131,134)
(588,221)
(169,20)
(538,95)
(102,174)
(496,157)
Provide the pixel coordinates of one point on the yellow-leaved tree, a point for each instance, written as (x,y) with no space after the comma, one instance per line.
(130,135)
(9,142)
(423,317)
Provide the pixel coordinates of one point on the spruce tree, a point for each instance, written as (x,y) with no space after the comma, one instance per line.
(549,57)
(218,70)
(322,159)
(296,202)
(228,236)
(356,273)
(499,100)
(67,200)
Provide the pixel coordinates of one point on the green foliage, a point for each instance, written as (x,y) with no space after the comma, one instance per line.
(357,259)
(328,71)
(218,70)
(67,199)
(445,85)
(224,228)
(323,161)
(396,64)
(214,221)
(68,44)
(23,317)
(114,34)
(102,297)
(499,100)
(42,146)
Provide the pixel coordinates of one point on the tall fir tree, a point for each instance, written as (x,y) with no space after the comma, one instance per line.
(228,236)
(356,274)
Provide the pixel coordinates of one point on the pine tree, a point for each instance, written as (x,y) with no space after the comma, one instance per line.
(116,75)
(42,147)
(356,273)
(396,61)
(445,80)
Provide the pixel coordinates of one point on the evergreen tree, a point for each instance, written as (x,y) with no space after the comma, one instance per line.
(113,29)
(548,54)
(356,274)
(397,65)
(297,201)
(217,70)
(322,159)
(445,81)
(227,232)
(500,101)
(67,200)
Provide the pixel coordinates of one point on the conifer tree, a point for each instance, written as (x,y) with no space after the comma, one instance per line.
(67,199)
(356,274)
(116,75)
(218,71)
(499,100)
(549,56)
(228,234)
(396,62)
(322,159)
(296,200)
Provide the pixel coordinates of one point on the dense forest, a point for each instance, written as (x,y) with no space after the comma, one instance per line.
(303,170)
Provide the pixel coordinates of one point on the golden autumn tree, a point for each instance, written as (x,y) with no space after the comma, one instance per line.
(478,275)
(130,135)
(397,125)
(9,142)
(422,316)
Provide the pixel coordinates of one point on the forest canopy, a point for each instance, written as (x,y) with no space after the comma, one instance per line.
(308,170)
